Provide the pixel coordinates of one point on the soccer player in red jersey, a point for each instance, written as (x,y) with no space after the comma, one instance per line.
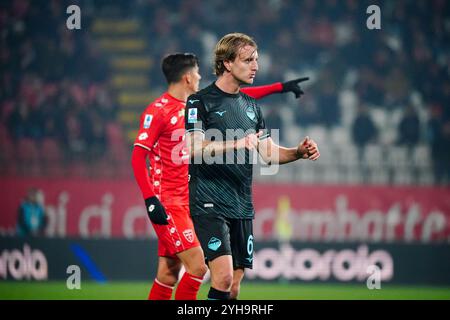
(164,185)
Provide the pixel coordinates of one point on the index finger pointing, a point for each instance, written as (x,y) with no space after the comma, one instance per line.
(301,79)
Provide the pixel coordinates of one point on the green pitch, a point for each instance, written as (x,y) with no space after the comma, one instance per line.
(256,291)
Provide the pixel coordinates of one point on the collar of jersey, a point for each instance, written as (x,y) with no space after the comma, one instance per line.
(233,95)
(173,98)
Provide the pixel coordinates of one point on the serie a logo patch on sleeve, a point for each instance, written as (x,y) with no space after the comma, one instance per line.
(192,115)
(147,121)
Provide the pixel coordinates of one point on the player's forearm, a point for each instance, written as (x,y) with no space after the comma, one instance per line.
(288,155)
(281,155)
(138,162)
(212,148)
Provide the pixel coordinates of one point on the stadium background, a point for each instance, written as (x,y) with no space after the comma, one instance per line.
(377,104)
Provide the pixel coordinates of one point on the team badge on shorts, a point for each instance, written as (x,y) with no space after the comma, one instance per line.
(214,244)
(189,235)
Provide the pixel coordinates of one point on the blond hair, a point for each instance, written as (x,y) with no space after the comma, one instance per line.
(227,49)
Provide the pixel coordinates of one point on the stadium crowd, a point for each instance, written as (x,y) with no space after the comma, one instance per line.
(54,82)
(54,86)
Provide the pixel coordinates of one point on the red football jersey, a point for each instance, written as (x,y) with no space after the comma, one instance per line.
(161,132)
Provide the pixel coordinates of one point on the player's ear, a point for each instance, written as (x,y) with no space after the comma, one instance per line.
(227,65)
(187,77)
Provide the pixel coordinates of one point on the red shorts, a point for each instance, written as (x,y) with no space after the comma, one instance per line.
(179,235)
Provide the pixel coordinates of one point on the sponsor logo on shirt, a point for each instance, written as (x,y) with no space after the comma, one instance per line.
(192,116)
(173,120)
(147,121)
(143,136)
(220,113)
(192,101)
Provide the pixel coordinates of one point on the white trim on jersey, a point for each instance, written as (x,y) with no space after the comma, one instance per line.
(141,145)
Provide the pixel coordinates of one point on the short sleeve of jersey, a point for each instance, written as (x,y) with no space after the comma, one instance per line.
(261,125)
(150,128)
(195,114)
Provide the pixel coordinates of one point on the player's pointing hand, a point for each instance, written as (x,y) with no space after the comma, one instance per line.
(294,86)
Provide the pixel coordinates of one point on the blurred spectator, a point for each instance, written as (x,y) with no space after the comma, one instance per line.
(309,113)
(328,102)
(445,161)
(409,128)
(19,120)
(75,137)
(273,121)
(396,89)
(32,219)
(94,128)
(370,86)
(364,129)
(439,137)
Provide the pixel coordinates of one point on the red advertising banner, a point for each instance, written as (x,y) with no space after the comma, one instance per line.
(103,209)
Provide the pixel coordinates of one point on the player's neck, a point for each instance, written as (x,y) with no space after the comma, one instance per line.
(227,83)
(178,91)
